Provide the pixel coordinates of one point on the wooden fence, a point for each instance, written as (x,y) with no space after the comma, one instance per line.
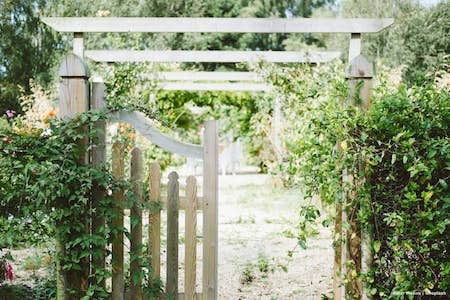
(171,202)
(77,96)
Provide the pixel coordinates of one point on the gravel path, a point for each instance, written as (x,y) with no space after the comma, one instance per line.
(255,226)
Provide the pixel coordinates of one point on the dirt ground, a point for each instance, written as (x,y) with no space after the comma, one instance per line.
(256,232)
(256,226)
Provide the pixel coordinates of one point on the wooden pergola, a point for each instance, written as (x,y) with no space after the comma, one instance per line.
(237,80)
(221,81)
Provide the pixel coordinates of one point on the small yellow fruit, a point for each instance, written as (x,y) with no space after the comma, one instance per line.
(344,145)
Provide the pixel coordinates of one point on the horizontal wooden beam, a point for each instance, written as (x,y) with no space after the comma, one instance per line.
(206,76)
(225,86)
(209,56)
(260,25)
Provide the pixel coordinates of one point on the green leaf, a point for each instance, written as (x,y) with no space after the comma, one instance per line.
(376,246)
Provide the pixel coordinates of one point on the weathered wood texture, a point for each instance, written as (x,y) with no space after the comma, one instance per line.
(209,56)
(183,202)
(210,211)
(144,126)
(98,159)
(118,225)
(136,175)
(78,44)
(172,236)
(74,99)
(354,46)
(191,204)
(262,25)
(190,245)
(360,74)
(154,228)
(74,87)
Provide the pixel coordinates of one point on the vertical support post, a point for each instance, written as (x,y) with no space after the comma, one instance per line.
(136,175)
(359,75)
(337,267)
(98,161)
(73,99)
(173,197)
(190,244)
(341,245)
(210,211)
(78,44)
(154,227)
(118,165)
(355,46)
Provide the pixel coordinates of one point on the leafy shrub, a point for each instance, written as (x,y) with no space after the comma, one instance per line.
(401,146)
(405,142)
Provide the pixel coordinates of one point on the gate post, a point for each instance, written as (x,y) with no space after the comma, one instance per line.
(210,212)
(359,75)
(98,160)
(73,99)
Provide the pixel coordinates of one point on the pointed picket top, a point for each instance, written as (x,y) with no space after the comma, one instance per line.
(173,176)
(136,164)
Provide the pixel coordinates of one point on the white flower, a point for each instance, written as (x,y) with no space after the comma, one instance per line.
(47,132)
(113,129)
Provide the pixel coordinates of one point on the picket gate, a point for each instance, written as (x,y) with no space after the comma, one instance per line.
(169,202)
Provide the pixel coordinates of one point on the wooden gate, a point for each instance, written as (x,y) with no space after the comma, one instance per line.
(171,202)
(77,96)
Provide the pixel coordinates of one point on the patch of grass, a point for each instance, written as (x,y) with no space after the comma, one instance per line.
(264,266)
(242,220)
(247,275)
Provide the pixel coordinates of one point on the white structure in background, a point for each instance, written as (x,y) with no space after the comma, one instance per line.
(230,157)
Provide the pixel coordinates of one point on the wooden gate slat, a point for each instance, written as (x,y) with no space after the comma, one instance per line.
(98,194)
(210,211)
(190,238)
(172,236)
(136,225)
(117,222)
(154,227)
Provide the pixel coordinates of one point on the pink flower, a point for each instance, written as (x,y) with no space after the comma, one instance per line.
(10,113)
(9,272)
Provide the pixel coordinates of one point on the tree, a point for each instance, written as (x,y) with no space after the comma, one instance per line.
(28,49)
(418,39)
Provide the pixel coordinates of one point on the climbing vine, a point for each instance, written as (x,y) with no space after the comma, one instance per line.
(43,180)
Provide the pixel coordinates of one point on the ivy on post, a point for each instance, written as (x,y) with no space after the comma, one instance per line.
(358,254)
(72,281)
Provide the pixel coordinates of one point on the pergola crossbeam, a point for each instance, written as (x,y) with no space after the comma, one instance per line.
(238,25)
(209,56)
(225,86)
(206,76)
